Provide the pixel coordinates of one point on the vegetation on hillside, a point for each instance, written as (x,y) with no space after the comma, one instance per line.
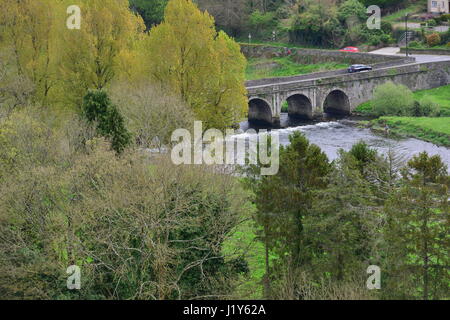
(437,99)
(83,114)
(423,114)
(334,220)
(283,67)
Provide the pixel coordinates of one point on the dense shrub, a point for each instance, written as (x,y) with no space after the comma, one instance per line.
(445,37)
(151,114)
(138,227)
(386,27)
(98,109)
(432,23)
(392,99)
(443,18)
(433,39)
(415,44)
(426,107)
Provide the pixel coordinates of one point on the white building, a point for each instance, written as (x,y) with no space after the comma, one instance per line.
(438,6)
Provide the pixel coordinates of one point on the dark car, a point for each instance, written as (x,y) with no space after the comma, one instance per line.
(359,68)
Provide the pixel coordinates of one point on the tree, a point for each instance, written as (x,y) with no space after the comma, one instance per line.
(416,231)
(392,99)
(352,9)
(139,227)
(318,25)
(15,89)
(100,51)
(152,114)
(230,15)
(343,227)
(284,200)
(152,11)
(98,109)
(262,23)
(205,68)
(29,30)
(386,5)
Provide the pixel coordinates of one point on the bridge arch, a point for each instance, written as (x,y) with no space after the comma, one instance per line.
(337,102)
(299,106)
(259,110)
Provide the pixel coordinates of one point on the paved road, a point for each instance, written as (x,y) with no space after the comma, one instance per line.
(417,26)
(421,58)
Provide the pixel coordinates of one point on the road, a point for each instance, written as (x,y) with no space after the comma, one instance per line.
(420,58)
(417,26)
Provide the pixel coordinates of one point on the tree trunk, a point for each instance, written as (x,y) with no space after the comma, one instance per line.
(267,294)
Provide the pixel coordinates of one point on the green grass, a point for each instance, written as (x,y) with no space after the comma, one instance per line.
(440,95)
(243,241)
(283,67)
(400,15)
(435,130)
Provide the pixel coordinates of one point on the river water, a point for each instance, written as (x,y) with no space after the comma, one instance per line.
(334,134)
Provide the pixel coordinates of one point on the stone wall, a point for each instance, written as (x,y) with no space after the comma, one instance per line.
(303,55)
(443,52)
(316,55)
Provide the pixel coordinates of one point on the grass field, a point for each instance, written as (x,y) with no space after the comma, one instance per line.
(411,9)
(283,67)
(439,95)
(243,240)
(435,130)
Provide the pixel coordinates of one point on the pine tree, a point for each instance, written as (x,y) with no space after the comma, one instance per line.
(285,199)
(98,109)
(417,231)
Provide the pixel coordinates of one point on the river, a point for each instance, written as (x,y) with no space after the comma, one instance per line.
(334,134)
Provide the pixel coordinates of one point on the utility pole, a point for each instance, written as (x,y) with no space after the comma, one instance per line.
(406,33)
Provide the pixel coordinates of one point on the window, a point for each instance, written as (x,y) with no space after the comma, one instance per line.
(434,4)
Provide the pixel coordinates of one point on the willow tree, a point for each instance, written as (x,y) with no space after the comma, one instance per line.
(100,50)
(28,35)
(204,67)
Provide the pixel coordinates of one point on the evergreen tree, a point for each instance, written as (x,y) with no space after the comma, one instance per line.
(343,227)
(97,108)
(283,200)
(416,231)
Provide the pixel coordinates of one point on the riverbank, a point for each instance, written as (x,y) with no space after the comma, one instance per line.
(431,129)
(435,130)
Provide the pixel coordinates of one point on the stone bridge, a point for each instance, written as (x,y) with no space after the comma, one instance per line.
(337,92)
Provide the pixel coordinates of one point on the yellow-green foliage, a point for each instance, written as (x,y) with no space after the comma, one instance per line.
(205,67)
(61,63)
(138,227)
